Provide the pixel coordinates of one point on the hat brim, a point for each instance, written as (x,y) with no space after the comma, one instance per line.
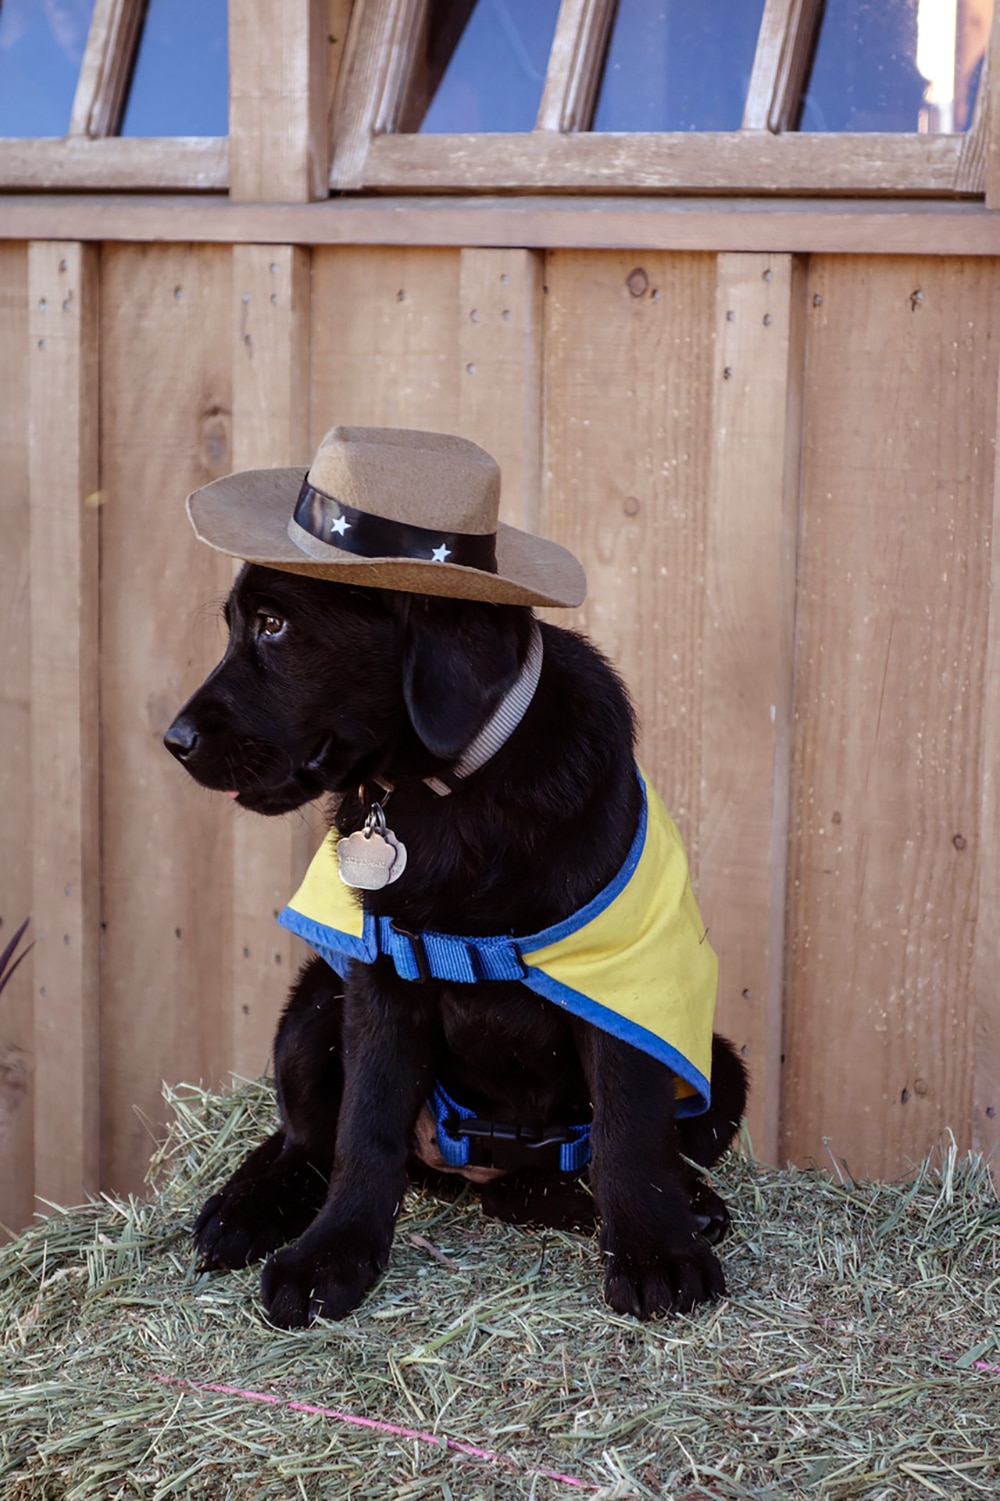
(246,516)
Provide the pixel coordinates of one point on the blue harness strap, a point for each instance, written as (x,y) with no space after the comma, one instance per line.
(460,1131)
(443,956)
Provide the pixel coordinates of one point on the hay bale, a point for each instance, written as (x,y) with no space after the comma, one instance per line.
(857,1355)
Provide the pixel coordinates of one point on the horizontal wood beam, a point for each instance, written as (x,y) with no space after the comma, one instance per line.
(116,163)
(849,226)
(541,161)
(695,162)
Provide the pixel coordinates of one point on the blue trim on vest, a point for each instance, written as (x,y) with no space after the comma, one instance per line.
(626,1031)
(317,936)
(573,1155)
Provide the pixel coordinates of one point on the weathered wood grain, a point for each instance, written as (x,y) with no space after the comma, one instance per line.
(695,162)
(627,438)
(748,655)
(166,400)
(894,605)
(107,65)
(113,164)
(17,1043)
(270,323)
(575,63)
(278,98)
(63,302)
(773,225)
(499,316)
(385,345)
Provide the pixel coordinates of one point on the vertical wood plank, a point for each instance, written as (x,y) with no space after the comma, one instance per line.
(898,474)
(63,298)
(627,439)
(270,427)
(385,349)
(16,1015)
(278,90)
(746,723)
(500,385)
(986,946)
(165,421)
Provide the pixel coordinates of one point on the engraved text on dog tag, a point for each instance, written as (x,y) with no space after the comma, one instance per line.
(373,857)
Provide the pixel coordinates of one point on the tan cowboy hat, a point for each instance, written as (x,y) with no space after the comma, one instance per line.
(392,508)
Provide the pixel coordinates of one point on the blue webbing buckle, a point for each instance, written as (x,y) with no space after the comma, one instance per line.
(501,1145)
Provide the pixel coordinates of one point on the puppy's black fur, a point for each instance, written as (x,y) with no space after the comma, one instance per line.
(323,688)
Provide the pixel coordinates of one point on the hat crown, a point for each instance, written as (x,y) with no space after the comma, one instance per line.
(432,480)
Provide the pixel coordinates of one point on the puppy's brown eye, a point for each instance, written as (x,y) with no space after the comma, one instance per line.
(269,625)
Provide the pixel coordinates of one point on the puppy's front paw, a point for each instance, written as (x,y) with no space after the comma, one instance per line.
(674,1280)
(266,1204)
(300,1284)
(239,1226)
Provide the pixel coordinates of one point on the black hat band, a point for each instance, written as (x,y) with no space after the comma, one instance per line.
(337,524)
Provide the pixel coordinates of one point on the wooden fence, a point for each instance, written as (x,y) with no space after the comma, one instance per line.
(779,471)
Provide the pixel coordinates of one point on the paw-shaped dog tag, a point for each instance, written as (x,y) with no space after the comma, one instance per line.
(369,861)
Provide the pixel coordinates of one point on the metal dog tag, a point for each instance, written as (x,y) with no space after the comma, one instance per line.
(373,857)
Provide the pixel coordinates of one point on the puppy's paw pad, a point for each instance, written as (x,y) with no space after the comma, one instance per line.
(675,1282)
(223,1241)
(710,1213)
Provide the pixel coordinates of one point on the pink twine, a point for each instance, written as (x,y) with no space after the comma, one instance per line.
(438,1440)
(977,1365)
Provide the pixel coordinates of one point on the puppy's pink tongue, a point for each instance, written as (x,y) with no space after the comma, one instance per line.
(232,794)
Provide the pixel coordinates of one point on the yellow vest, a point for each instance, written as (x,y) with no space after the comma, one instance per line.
(634,961)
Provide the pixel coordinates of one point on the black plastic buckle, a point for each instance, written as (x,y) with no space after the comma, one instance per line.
(419,952)
(502,1145)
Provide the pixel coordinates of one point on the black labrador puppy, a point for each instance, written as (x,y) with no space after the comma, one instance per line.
(330,688)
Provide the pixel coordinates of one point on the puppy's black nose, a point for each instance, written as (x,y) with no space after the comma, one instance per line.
(181,738)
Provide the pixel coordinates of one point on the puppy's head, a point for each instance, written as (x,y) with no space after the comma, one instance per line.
(324,685)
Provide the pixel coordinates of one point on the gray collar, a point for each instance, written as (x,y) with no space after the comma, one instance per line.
(499,727)
(502,722)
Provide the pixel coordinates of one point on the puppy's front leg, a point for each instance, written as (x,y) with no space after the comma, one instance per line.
(656,1262)
(387,1035)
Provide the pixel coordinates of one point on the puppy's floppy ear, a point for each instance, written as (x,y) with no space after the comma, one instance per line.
(459,659)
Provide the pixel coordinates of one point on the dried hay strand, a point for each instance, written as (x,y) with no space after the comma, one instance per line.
(857,1355)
